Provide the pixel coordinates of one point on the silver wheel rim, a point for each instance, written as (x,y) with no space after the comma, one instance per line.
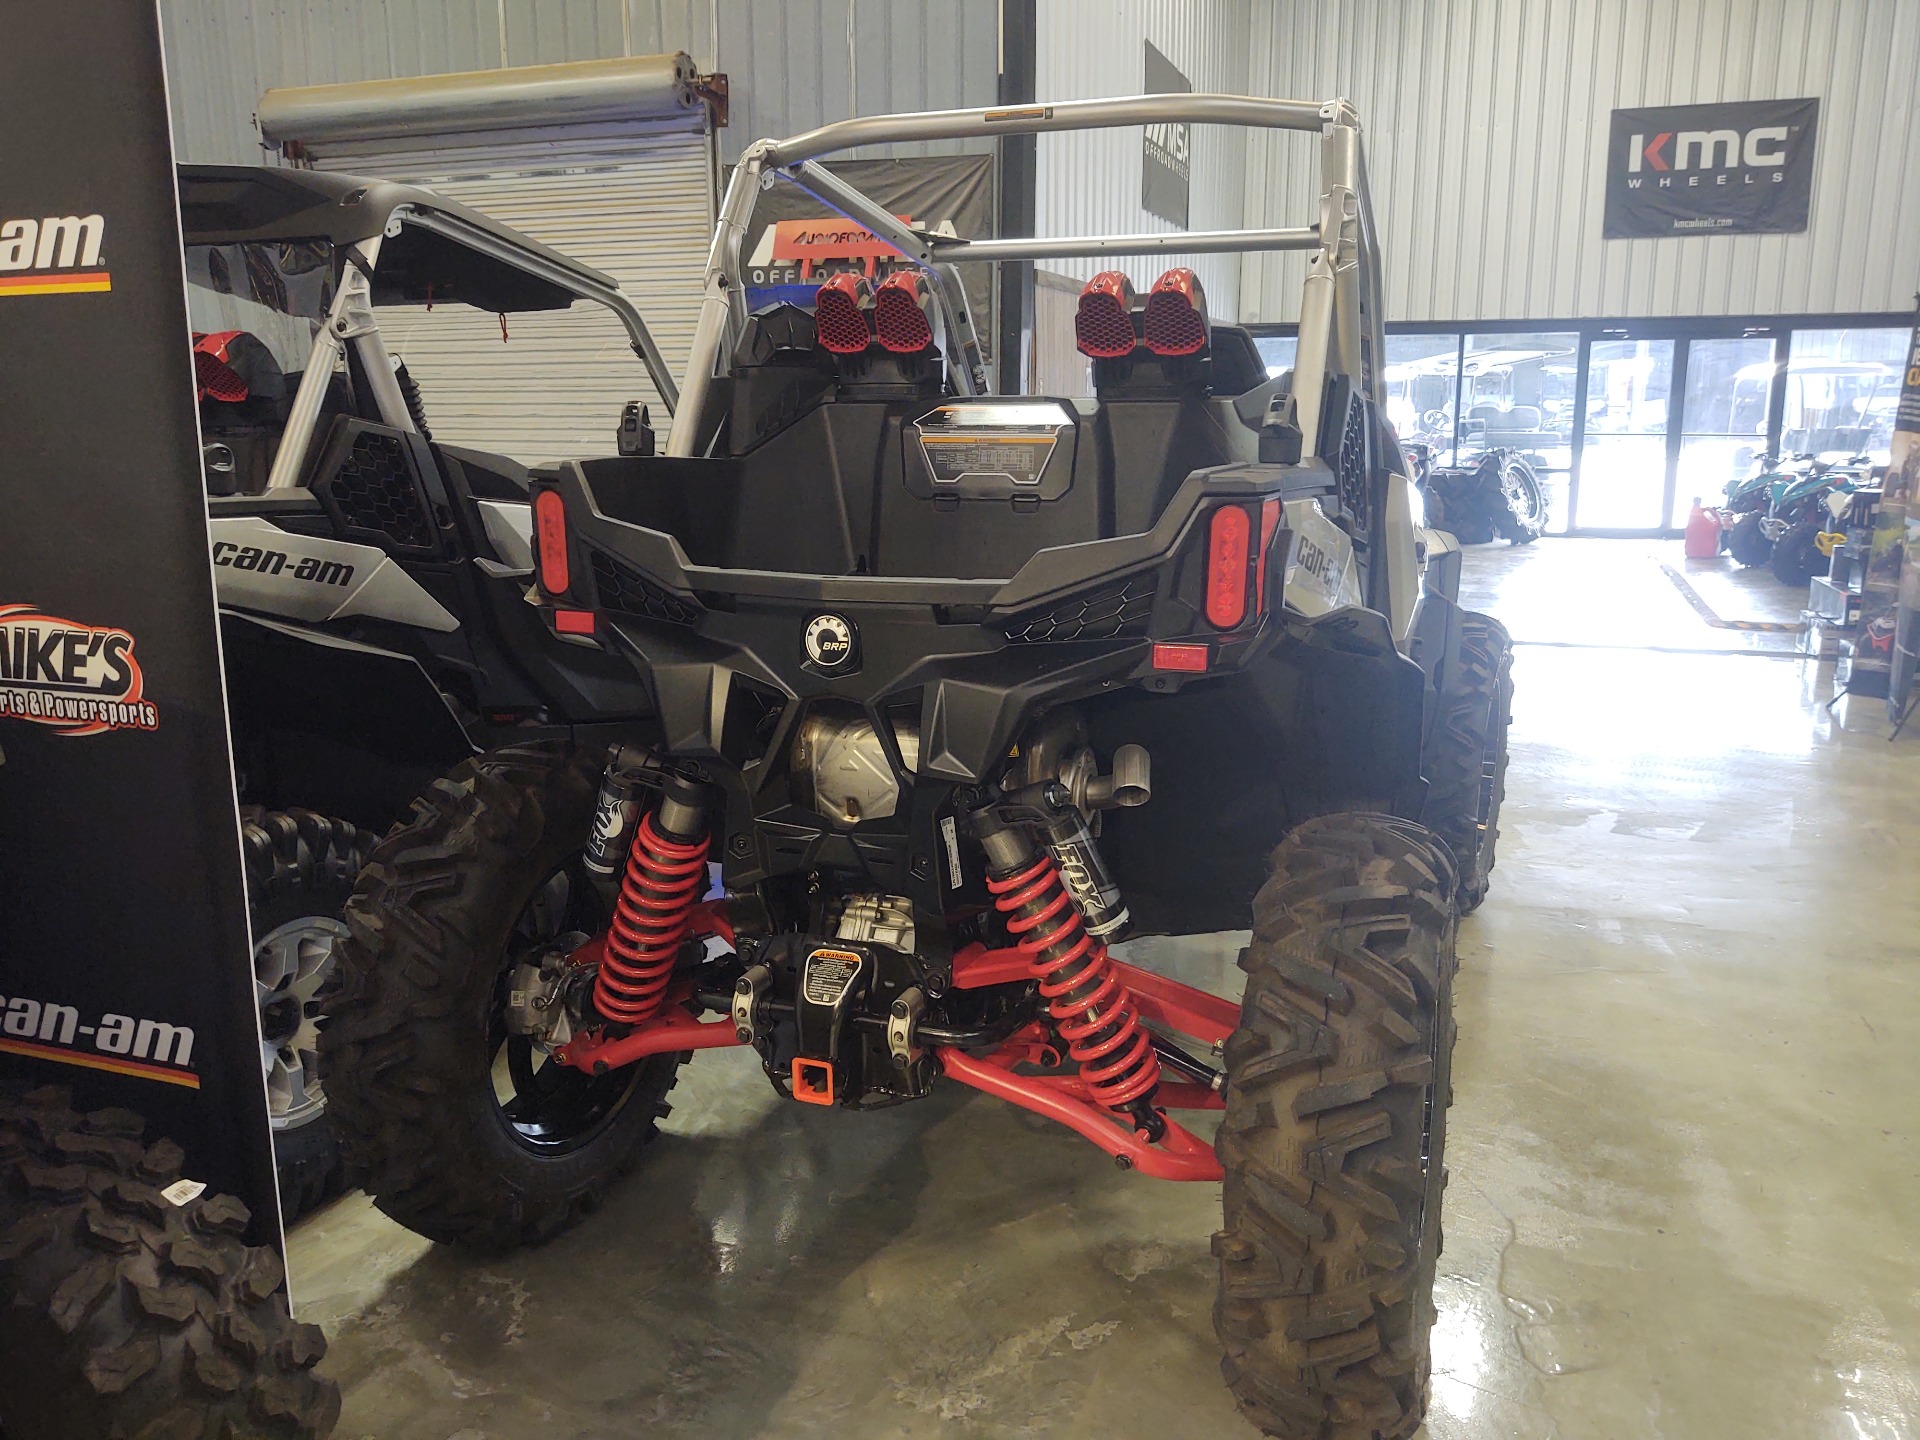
(289,967)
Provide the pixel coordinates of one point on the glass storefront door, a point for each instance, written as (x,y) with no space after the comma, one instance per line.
(1723,425)
(1517,392)
(1623,460)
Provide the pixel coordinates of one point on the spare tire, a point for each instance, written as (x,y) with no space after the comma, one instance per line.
(130,1304)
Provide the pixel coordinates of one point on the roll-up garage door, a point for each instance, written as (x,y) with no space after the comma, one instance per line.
(634,198)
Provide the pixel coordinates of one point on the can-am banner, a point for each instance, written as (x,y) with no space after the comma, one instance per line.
(1742,168)
(796,244)
(124,958)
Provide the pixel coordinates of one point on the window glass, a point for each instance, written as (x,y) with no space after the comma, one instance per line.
(278,293)
(1517,393)
(1423,390)
(1724,422)
(1842,389)
(1276,351)
(1623,460)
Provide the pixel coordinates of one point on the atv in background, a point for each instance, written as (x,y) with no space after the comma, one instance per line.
(1775,515)
(1499,494)
(956,690)
(372,580)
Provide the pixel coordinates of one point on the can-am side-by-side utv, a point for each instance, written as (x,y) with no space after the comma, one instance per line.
(372,579)
(950,691)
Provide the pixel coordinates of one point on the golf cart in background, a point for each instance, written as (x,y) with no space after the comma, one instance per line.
(372,576)
(955,690)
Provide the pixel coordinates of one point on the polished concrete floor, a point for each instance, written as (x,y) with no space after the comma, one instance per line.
(1685,1171)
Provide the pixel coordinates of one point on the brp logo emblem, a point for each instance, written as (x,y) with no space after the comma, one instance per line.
(829,641)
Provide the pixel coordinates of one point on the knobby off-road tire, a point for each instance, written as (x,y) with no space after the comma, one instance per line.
(414,1032)
(1334,1133)
(1748,543)
(1467,766)
(124,1316)
(1519,502)
(301,870)
(1796,558)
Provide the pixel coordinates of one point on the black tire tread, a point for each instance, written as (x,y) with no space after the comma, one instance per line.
(124,1316)
(418,931)
(1332,1224)
(1747,543)
(1475,713)
(296,857)
(1796,559)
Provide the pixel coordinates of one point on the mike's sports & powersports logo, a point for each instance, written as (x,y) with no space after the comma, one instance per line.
(80,679)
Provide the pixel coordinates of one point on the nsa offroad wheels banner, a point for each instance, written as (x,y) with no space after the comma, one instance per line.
(124,960)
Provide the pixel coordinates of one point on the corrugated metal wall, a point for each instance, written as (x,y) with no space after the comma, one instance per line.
(1487,132)
(793,64)
(1089,182)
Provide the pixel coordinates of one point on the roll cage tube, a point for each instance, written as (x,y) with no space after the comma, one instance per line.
(351,318)
(1341,311)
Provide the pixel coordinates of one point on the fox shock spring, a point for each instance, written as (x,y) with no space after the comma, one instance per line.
(1091,1007)
(666,872)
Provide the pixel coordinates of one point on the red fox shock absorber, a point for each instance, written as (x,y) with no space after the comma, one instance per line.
(1090,1006)
(666,873)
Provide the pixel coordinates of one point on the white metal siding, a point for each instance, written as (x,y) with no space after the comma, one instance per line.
(639,208)
(1089,181)
(793,64)
(1487,125)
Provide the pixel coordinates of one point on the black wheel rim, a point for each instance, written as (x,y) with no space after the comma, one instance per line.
(546,1107)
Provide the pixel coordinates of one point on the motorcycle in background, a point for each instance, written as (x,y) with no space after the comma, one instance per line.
(1498,494)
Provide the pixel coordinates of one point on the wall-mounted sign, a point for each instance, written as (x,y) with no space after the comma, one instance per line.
(795,243)
(1167,171)
(1743,168)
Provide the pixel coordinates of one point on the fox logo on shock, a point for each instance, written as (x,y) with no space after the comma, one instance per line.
(80,679)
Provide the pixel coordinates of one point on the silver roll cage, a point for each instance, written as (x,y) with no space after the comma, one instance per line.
(351,321)
(1341,310)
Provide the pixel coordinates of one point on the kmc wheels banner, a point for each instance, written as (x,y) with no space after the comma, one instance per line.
(124,968)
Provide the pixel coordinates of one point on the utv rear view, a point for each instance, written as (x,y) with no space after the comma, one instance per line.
(947,693)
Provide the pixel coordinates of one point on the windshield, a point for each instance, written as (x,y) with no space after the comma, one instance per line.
(278,292)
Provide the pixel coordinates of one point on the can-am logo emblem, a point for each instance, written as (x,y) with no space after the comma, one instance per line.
(80,679)
(830,641)
(55,255)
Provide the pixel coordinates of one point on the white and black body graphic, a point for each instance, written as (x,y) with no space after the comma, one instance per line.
(371,580)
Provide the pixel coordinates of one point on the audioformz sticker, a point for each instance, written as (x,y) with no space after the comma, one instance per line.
(80,679)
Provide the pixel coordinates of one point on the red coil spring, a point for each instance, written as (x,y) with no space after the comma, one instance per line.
(1093,1011)
(664,878)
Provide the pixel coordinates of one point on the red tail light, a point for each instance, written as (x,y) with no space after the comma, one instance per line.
(1192,659)
(900,314)
(1176,318)
(550,537)
(1229,556)
(840,314)
(1103,325)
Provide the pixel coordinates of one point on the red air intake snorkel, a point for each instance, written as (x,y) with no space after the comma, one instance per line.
(1176,318)
(1103,325)
(840,311)
(900,313)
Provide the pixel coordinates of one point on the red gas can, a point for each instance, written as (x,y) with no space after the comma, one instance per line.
(1703,533)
